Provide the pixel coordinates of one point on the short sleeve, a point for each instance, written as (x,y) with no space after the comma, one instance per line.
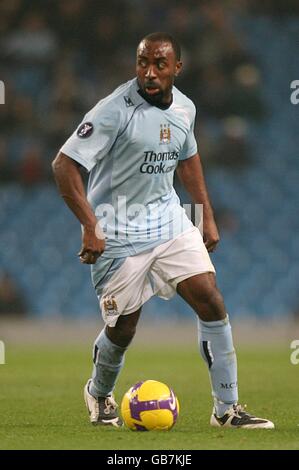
(95,135)
(190,146)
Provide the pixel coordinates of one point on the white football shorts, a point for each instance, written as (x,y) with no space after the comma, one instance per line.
(154,272)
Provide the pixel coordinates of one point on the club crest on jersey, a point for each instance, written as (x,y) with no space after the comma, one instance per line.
(85,130)
(165,134)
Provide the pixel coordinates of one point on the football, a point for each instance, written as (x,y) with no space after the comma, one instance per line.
(150,406)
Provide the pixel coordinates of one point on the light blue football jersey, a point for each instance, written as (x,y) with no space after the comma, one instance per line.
(131,149)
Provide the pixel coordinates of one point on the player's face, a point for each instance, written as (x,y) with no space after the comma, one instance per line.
(156,69)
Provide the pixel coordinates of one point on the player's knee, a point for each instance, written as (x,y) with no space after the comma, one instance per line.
(210,304)
(216,299)
(208,293)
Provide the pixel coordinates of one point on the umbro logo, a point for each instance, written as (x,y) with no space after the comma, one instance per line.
(128,101)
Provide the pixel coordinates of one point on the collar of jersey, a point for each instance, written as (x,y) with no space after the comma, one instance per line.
(160,106)
(136,94)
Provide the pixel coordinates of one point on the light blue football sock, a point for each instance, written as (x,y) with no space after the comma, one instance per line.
(217,349)
(108,361)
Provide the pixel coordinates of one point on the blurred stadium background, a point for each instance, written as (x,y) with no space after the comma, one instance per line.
(58,58)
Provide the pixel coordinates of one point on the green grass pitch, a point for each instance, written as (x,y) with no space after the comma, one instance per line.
(41,404)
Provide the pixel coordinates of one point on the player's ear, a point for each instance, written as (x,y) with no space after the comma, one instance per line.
(178,68)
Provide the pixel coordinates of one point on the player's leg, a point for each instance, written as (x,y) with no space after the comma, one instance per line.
(185,265)
(124,330)
(217,349)
(109,352)
(201,293)
(122,288)
(215,337)
(108,357)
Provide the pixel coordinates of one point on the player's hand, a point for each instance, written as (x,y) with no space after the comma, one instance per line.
(92,246)
(210,235)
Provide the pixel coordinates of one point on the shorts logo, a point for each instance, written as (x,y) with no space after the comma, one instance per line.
(165,134)
(85,130)
(110,305)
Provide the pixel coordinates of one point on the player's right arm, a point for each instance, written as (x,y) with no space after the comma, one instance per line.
(70,184)
(89,144)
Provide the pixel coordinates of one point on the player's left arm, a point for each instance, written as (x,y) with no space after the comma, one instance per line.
(191,175)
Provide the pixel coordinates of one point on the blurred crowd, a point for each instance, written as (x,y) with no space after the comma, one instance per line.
(59,57)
